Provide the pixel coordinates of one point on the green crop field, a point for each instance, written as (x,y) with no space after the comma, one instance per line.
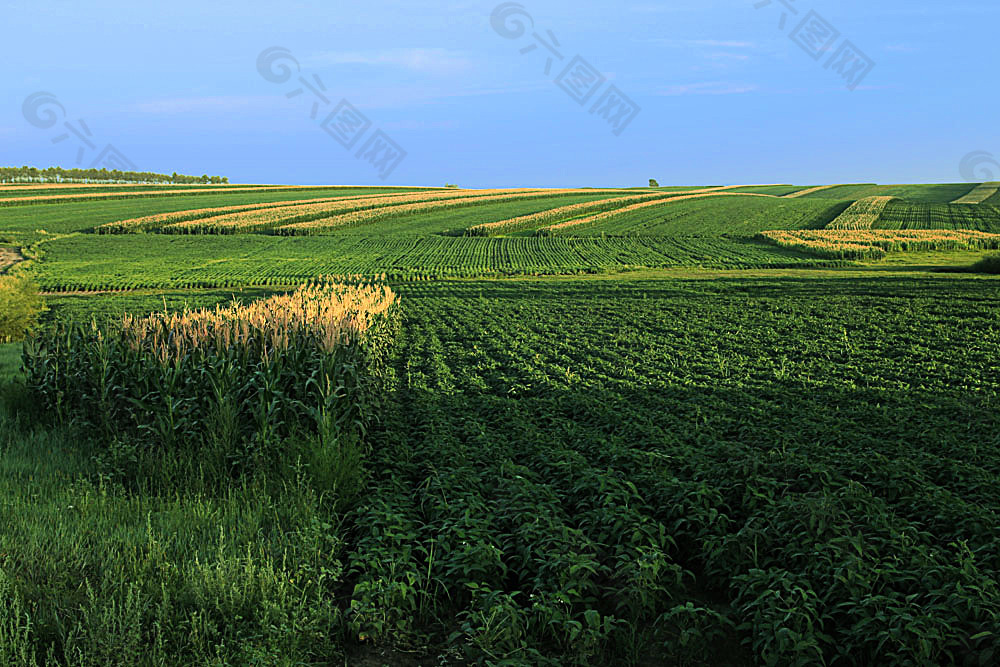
(923,194)
(655,439)
(456,221)
(903,215)
(776,190)
(742,216)
(84,216)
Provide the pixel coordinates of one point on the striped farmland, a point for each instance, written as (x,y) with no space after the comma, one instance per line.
(609,215)
(876,243)
(808,191)
(862,214)
(370,216)
(979,194)
(268,220)
(525,221)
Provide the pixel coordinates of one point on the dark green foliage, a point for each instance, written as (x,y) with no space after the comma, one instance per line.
(989,264)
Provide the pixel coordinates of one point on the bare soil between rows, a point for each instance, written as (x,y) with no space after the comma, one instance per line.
(8,258)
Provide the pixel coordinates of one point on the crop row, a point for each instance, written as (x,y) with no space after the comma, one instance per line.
(105,196)
(247,217)
(979,194)
(562,212)
(578,501)
(875,243)
(260,220)
(91,262)
(862,214)
(939,193)
(903,215)
(808,191)
(736,215)
(369,216)
(151,222)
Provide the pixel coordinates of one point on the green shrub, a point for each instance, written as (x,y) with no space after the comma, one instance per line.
(20,307)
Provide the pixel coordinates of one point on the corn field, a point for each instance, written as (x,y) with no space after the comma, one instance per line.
(370,215)
(979,194)
(527,221)
(874,244)
(626,210)
(233,381)
(862,214)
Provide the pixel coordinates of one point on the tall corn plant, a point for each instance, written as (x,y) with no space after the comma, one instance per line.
(232,383)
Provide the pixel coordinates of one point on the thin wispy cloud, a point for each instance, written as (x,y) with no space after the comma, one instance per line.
(428,61)
(708,88)
(181,105)
(706,43)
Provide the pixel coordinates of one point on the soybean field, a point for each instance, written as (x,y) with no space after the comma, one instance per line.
(698,425)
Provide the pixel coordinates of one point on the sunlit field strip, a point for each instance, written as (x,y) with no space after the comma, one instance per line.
(876,243)
(862,214)
(808,191)
(525,221)
(257,220)
(370,216)
(193,216)
(611,215)
(979,194)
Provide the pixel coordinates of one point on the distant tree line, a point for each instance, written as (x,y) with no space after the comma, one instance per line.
(60,175)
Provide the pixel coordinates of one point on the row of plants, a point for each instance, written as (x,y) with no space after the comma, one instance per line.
(113,195)
(151,222)
(862,214)
(132,261)
(229,386)
(626,211)
(874,244)
(261,220)
(979,194)
(370,216)
(983,217)
(562,212)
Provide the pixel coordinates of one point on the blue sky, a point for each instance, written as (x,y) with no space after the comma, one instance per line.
(724,94)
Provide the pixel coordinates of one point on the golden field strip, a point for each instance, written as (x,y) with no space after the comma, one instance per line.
(862,214)
(876,243)
(808,191)
(513,224)
(259,219)
(373,215)
(979,194)
(150,222)
(625,210)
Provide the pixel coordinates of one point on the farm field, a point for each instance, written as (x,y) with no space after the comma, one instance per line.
(982,217)
(84,216)
(713,216)
(922,194)
(689,433)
